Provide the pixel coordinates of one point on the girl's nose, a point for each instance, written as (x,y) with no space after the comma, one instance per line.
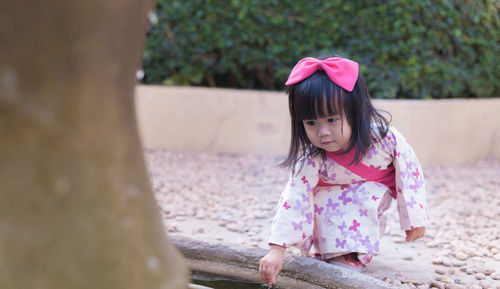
(324,131)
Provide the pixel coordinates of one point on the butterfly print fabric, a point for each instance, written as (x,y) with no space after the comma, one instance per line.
(343,213)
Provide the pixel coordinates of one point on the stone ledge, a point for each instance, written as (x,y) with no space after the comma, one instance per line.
(241,262)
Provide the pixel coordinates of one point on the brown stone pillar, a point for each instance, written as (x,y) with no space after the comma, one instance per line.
(76,207)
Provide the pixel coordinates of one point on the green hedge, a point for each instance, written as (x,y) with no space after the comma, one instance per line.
(406,48)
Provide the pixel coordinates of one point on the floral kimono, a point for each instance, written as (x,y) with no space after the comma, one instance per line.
(337,207)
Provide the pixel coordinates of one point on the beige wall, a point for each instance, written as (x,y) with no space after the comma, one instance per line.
(248,121)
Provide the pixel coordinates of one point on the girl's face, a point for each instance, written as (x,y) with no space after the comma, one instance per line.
(330,133)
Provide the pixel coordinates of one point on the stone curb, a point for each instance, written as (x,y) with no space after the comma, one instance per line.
(237,261)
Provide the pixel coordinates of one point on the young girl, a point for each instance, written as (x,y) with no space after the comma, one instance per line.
(347,166)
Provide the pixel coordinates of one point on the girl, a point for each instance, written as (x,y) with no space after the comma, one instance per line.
(347,166)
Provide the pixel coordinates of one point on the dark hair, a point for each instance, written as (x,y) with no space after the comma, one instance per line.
(308,99)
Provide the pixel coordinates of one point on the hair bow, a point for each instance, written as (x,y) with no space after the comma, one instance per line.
(341,71)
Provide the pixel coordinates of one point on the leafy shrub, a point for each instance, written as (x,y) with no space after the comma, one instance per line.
(406,49)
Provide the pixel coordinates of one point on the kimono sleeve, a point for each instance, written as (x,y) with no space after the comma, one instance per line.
(293,223)
(410,186)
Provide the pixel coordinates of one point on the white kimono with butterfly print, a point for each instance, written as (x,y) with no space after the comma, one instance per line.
(346,217)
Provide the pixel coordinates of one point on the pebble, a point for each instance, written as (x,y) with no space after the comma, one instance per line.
(477,259)
(451,271)
(458,263)
(234,228)
(172,229)
(437,285)
(480,276)
(496,257)
(495,276)
(400,276)
(447,263)
(437,261)
(485,284)
(485,271)
(471,252)
(445,279)
(432,244)
(439,271)
(394,282)
(399,240)
(461,256)
(200,215)
(408,258)
(412,281)
(469,271)
(255,231)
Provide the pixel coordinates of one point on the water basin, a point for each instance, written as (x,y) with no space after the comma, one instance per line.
(220,282)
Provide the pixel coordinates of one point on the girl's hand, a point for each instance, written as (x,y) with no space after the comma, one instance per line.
(270,265)
(414,234)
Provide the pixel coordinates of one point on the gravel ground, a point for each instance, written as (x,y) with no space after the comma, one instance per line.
(231,198)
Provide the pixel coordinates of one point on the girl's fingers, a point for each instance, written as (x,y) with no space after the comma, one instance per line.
(273,277)
(270,276)
(263,277)
(262,273)
(269,269)
(266,274)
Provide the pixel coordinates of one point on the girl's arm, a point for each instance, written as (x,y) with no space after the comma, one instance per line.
(410,187)
(293,223)
(271,264)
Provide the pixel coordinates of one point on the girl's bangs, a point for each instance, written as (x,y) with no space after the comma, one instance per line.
(316,97)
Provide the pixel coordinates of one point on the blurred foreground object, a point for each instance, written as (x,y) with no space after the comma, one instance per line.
(76,207)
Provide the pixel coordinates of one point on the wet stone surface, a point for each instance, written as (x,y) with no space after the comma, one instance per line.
(231,198)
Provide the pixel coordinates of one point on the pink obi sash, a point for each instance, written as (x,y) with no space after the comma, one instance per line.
(386,176)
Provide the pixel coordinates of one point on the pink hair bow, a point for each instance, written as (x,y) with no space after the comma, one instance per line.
(341,71)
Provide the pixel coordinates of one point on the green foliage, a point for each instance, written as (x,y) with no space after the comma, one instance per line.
(407,49)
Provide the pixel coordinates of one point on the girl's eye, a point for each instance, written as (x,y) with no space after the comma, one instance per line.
(334,119)
(310,122)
